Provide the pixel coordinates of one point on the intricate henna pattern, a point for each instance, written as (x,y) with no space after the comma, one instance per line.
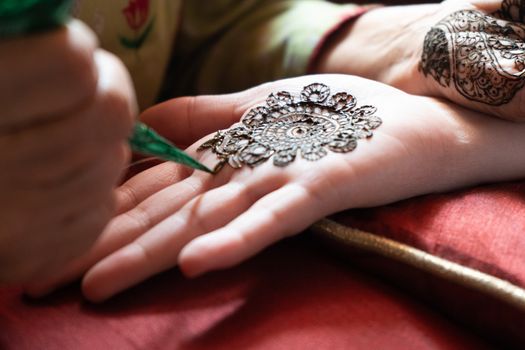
(436,56)
(483,55)
(512,10)
(286,127)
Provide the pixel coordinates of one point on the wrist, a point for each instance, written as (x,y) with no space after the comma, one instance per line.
(481,149)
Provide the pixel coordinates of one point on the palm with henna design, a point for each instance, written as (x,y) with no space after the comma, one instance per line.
(171,217)
(471,52)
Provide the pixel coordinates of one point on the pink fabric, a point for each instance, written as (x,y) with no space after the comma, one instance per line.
(296,295)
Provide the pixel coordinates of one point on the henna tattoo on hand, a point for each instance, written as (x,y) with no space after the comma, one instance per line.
(436,56)
(482,55)
(512,10)
(285,127)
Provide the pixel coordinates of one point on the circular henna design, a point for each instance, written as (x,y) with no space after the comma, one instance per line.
(286,127)
(482,55)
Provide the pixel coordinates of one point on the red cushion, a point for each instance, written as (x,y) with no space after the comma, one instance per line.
(481,228)
(293,296)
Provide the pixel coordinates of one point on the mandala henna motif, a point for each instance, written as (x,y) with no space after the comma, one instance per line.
(311,125)
(482,55)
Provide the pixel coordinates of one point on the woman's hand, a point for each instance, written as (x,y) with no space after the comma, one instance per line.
(199,222)
(66,111)
(469,51)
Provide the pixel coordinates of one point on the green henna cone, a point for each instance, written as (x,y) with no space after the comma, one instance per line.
(146,141)
(19,17)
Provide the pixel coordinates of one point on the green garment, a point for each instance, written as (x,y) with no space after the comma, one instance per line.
(210,46)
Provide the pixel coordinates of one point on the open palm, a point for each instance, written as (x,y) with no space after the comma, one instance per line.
(170,216)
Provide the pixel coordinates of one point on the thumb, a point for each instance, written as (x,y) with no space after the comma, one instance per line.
(185,120)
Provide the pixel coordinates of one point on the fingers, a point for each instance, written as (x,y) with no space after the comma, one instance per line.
(26,261)
(187,119)
(488,6)
(63,150)
(74,227)
(157,178)
(46,74)
(63,168)
(78,234)
(146,183)
(157,250)
(142,202)
(116,93)
(107,119)
(143,214)
(270,219)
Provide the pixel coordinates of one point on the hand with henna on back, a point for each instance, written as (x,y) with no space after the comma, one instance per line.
(471,52)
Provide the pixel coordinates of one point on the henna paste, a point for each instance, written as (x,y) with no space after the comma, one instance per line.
(482,55)
(311,125)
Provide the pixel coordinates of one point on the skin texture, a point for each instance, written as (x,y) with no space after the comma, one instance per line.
(469,52)
(169,216)
(64,150)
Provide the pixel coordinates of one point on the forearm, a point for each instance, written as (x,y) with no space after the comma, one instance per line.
(493,148)
(385,37)
(476,149)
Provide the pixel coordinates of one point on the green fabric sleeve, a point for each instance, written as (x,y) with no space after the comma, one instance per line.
(229,45)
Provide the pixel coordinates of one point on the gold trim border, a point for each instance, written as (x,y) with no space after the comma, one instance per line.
(451,271)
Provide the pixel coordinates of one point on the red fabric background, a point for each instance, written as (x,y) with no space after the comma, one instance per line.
(295,295)
(482,228)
